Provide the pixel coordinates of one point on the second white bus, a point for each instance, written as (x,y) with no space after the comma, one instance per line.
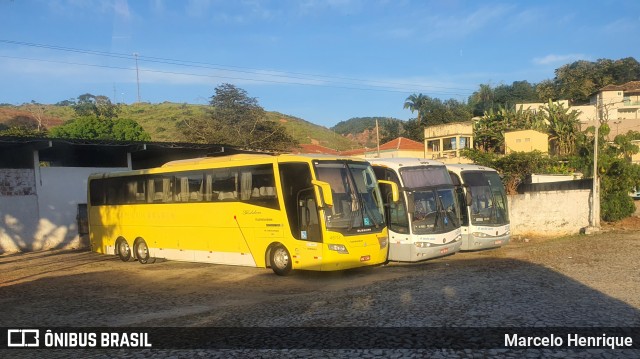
(424,224)
(484,210)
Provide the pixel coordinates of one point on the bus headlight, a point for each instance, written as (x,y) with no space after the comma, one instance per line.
(423,244)
(340,248)
(383,242)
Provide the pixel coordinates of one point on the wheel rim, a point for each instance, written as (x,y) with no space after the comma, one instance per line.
(281,258)
(142,251)
(124,249)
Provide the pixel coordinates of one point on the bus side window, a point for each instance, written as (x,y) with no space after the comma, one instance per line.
(397,213)
(463,198)
(160,189)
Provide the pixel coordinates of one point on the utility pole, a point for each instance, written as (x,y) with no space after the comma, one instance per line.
(378,137)
(135,54)
(595,195)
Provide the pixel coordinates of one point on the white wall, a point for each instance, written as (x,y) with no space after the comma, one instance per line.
(46,220)
(18,221)
(549,213)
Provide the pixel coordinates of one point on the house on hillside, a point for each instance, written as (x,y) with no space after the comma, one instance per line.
(444,142)
(618,105)
(525,141)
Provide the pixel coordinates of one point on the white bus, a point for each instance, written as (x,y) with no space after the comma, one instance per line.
(425,223)
(484,209)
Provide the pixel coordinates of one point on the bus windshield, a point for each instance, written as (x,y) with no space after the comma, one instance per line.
(433,208)
(489,200)
(357,203)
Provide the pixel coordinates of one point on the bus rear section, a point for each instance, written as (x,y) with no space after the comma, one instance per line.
(425,223)
(485,212)
(284,212)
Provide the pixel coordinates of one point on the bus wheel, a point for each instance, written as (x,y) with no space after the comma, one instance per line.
(123,250)
(142,251)
(280,260)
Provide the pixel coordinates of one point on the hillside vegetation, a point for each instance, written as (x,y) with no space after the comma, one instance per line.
(160,121)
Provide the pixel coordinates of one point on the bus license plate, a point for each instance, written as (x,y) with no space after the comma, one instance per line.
(499,241)
(444,250)
(365,258)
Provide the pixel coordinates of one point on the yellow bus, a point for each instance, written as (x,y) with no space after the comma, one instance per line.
(280,211)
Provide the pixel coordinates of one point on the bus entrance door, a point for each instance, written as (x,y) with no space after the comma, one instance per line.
(310,250)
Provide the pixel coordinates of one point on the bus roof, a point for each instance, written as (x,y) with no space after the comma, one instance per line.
(468,167)
(204,162)
(217,159)
(399,162)
(254,157)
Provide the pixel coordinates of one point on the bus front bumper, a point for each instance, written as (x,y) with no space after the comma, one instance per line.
(473,243)
(409,252)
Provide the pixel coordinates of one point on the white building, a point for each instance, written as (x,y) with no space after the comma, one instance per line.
(43,184)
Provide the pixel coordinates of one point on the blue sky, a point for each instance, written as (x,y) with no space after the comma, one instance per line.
(321,60)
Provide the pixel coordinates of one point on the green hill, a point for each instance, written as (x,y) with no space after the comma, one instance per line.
(357,125)
(160,121)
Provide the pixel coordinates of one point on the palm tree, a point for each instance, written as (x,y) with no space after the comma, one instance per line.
(482,99)
(564,127)
(416,103)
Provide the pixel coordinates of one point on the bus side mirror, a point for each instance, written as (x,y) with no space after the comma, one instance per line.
(395,194)
(468,197)
(325,189)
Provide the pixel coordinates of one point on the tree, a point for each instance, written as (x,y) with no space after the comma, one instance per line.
(93,128)
(37,112)
(98,106)
(515,167)
(578,80)
(546,90)
(22,126)
(507,96)
(390,130)
(481,101)
(414,130)
(433,111)
(618,176)
(415,103)
(238,120)
(564,128)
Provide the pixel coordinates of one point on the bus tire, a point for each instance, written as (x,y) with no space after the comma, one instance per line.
(123,251)
(141,250)
(280,260)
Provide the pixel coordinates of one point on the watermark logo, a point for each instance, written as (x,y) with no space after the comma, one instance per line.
(23,338)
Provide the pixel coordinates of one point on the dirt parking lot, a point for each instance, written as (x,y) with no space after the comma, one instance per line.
(578,281)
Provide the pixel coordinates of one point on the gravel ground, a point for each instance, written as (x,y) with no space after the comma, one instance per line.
(579,281)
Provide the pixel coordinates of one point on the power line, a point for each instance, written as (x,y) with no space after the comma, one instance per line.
(408,87)
(362,87)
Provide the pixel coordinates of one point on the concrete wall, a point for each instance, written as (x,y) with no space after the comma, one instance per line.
(48,219)
(549,213)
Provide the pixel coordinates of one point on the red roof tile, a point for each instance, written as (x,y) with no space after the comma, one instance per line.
(402,143)
(312,148)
